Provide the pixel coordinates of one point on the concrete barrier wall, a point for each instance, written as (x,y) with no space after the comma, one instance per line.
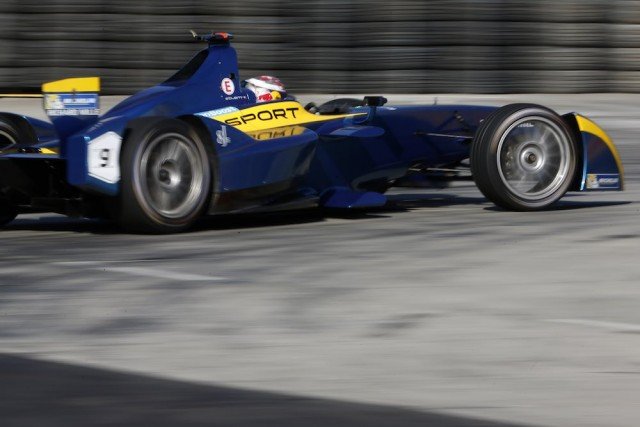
(400,46)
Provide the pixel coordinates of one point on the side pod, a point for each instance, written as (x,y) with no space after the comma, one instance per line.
(600,167)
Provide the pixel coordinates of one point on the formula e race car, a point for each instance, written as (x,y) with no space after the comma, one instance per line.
(200,143)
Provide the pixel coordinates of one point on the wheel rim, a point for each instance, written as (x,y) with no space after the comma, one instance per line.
(171,174)
(534,158)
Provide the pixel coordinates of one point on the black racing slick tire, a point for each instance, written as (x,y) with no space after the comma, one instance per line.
(523,157)
(15,130)
(166,176)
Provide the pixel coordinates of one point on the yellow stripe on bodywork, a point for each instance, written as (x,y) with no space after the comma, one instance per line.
(586,125)
(76,84)
(273,133)
(274,115)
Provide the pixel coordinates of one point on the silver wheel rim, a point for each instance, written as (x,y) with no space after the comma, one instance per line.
(534,158)
(171,173)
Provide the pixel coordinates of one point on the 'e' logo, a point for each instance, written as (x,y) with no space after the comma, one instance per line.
(227,86)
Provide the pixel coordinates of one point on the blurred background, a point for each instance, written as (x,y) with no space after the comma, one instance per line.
(343,46)
(439,310)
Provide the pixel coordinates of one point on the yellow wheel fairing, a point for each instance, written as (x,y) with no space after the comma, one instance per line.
(274,115)
(586,125)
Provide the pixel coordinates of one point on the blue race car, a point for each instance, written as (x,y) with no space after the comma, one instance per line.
(201,143)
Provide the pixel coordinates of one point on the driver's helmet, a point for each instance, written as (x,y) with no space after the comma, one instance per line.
(266,88)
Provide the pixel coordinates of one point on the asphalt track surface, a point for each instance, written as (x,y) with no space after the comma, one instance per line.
(437,310)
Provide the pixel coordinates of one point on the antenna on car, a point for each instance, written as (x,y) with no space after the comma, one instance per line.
(213,38)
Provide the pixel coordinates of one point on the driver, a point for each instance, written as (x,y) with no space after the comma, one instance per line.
(266,88)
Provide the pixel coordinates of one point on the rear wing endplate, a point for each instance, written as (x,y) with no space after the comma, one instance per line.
(72,104)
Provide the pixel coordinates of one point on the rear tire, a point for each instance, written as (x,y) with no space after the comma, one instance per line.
(166,176)
(14,131)
(523,157)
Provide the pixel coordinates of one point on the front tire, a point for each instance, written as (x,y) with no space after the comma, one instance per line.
(166,176)
(523,157)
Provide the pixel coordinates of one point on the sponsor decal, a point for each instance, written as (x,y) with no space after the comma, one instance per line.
(227,86)
(71,104)
(266,115)
(236,98)
(283,132)
(104,155)
(273,115)
(601,181)
(219,111)
(221,136)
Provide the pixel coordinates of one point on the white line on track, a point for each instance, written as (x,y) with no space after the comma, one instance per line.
(95,263)
(618,326)
(142,271)
(162,274)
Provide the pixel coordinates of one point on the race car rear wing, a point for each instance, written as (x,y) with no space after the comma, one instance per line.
(72,104)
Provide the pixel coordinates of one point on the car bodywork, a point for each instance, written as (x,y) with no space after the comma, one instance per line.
(274,155)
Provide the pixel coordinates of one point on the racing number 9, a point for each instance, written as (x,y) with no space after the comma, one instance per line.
(105,157)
